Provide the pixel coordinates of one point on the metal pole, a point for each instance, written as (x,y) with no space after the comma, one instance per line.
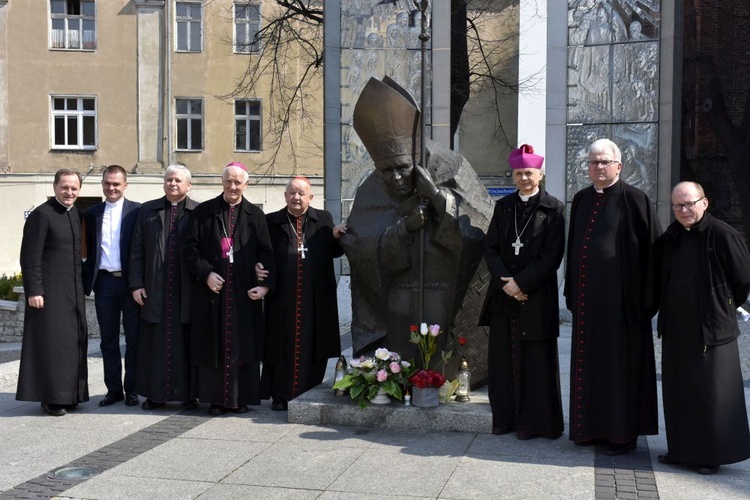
(424,37)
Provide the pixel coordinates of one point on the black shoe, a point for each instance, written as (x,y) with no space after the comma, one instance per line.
(131,399)
(241,409)
(111,399)
(150,405)
(190,405)
(666,459)
(616,449)
(216,410)
(279,405)
(707,470)
(525,436)
(53,410)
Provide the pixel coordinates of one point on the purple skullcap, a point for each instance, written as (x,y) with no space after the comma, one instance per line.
(237,164)
(524,157)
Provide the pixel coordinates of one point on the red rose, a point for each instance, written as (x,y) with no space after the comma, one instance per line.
(413,328)
(462,341)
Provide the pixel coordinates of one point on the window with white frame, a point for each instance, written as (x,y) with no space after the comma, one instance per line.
(247,125)
(189,115)
(246,27)
(72,24)
(73,122)
(189,20)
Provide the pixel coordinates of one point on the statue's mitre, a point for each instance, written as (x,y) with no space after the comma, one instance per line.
(386,118)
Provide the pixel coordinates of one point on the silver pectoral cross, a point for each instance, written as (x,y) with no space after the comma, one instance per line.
(302,249)
(517,246)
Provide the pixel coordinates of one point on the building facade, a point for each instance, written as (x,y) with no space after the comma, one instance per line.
(142,84)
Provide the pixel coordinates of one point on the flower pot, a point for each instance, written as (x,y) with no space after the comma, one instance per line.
(381,398)
(427,397)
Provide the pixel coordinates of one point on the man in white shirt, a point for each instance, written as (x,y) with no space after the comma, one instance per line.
(108,230)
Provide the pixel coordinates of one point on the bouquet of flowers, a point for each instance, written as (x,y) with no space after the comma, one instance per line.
(385,370)
(427,378)
(426,339)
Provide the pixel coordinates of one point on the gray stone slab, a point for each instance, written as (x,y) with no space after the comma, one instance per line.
(321,437)
(397,474)
(488,477)
(340,495)
(425,443)
(561,450)
(295,466)
(192,459)
(235,491)
(253,427)
(112,485)
(320,407)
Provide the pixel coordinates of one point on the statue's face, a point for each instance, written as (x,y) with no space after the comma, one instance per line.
(398,175)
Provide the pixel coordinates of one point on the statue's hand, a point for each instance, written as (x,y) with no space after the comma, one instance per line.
(416,219)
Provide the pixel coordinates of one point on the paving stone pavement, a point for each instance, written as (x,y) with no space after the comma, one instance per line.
(171,453)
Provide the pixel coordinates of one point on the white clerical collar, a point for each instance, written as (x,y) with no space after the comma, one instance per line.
(232,204)
(525,198)
(117,203)
(600,191)
(66,207)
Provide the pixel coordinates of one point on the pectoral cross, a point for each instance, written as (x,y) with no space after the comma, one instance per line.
(517,246)
(302,249)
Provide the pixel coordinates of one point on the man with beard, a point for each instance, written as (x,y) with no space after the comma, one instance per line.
(160,284)
(226,237)
(55,337)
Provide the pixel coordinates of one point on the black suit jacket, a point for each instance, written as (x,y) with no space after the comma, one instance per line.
(93,224)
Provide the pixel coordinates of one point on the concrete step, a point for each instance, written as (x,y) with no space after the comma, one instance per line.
(320,406)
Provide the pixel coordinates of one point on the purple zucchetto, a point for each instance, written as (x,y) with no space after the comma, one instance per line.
(524,157)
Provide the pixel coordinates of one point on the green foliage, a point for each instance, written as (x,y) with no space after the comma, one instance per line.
(7,283)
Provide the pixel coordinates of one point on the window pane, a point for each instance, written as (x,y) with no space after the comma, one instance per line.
(182,106)
(58,7)
(239,108)
(58,103)
(182,36)
(255,135)
(74,8)
(89,35)
(254,107)
(239,142)
(89,130)
(182,134)
(195,106)
(72,131)
(59,131)
(195,37)
(195,11)
(182,9)
(240,11)
(197,135)
(71,104)
(241,38)
(89,8)
(253,12)
(88,104)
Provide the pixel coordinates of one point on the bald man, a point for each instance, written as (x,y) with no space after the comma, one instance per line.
(302,312)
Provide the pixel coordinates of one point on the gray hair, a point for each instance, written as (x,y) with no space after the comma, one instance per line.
(224,172)
(606,146)
(178,167)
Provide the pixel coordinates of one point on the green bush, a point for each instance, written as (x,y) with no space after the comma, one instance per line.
(6,286)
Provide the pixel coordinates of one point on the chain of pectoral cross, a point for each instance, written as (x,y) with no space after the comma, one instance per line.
(517,245)
(300,234)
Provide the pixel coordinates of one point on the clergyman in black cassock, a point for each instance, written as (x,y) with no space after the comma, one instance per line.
(53,367)
(524,247)
(302,312)
(703,269)
(161,286)
(226,237)
(612,373)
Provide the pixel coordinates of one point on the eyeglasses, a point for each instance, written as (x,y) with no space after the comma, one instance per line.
(677,207)
(603,163)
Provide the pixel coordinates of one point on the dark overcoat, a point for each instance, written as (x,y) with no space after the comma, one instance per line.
(322,249)
(202,254)
(543,252)
(55,337)
(147,253)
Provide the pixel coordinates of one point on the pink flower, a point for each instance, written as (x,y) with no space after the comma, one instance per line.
(382,375)
(395,367)
(434,330)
